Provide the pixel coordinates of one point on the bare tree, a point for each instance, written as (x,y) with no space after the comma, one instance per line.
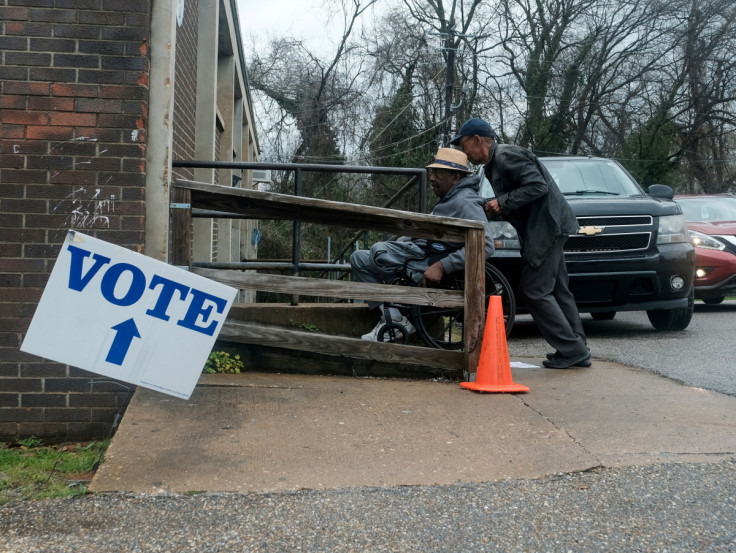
(458,28)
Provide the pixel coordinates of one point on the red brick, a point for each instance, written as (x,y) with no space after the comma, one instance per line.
(11,250)
(44,369)
(117,120)
(73,119)
(101,18)
(60,221)
(101,77)
(51,74)
(53,45)
(78,178)
(100,134)
(14,13)
(14,117)
(13,265)
(22,176)
(20,234)
(9,400)
(123,92)
(67,414)
(97,105)
(28,59)
(32,88)
(12,131)
(31,295)
(74,90)
(12,102)
(75,148)
(16,162)
(25,147)
(49,133)
(36,280)
(50,103)
(9,220)
(64,30)
(9,280)
(22,28)
(9,339)
(12,190)
(41,251)
(97,164)
(54,16)
(21,385)
(52,162)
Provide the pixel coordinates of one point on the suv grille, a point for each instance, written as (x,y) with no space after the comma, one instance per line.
(611,239)
(607,243)
(615,220)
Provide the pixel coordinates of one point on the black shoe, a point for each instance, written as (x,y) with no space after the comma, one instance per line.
(559,362)
(556,354)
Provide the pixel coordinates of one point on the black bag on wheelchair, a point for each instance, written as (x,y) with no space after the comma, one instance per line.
(436,249)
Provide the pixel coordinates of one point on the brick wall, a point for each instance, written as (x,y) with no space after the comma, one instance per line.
(73,101)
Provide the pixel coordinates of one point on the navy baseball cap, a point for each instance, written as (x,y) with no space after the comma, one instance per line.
(471,127)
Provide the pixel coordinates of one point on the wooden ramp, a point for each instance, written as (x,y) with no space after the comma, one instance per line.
(239,203)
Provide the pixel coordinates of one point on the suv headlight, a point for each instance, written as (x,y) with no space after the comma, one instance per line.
(504,236)
(672,229)
(706,242)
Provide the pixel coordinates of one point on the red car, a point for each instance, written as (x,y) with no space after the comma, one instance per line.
(711,220)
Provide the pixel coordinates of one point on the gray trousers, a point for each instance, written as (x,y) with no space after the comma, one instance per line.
(382,264)
(552,305)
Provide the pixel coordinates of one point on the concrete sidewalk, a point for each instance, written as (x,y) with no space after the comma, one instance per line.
(258,432)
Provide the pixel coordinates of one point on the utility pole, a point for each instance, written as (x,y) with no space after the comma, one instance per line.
(451,49)
(449,80)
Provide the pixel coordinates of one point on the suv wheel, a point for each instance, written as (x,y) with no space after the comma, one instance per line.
(714,301)
(673,319)
(603,315)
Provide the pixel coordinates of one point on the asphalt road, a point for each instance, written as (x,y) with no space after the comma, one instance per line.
(675,507)
(703,355)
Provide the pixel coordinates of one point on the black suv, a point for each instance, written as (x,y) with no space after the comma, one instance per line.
(632,252)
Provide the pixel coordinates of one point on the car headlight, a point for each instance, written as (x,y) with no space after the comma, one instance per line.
(672,229)
(504,236)
(706,242)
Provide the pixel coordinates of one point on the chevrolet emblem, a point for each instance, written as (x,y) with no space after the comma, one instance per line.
(590,231)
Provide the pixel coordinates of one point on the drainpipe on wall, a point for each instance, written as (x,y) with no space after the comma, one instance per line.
(159,132)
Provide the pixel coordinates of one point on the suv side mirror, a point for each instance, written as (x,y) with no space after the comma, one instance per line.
(661,191)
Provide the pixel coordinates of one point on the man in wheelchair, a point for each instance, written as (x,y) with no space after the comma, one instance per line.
(424,262)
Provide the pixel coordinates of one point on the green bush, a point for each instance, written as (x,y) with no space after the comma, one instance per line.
(223,362)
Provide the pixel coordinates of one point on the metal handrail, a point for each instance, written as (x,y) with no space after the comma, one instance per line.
(296,264)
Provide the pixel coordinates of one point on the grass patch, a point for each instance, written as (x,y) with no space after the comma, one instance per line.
(30,470)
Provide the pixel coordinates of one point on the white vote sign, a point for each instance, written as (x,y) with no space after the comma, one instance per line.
(121,314)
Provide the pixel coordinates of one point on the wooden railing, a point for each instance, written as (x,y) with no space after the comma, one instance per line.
(255,204)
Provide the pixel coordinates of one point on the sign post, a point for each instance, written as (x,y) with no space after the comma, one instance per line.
(114,312)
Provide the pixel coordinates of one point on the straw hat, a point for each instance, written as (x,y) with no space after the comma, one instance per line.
(450,158)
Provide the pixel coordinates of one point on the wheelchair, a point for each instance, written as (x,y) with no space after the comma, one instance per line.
(442,327)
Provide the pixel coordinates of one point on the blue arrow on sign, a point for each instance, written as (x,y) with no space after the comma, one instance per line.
(126,331)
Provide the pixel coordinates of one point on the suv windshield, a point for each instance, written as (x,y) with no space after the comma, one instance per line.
(583,177)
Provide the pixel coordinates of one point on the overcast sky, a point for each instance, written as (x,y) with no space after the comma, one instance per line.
(305,19)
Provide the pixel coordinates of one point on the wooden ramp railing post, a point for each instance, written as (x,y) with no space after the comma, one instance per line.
(180,213)
(475,282)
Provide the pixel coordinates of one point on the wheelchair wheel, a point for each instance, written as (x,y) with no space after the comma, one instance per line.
(442,327)
(393,332)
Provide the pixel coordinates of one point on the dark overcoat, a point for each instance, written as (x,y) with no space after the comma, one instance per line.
(529,199)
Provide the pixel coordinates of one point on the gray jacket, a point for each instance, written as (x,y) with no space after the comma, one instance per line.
(463,202)
(529,199)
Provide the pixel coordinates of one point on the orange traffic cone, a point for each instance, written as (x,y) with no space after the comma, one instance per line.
(494,368)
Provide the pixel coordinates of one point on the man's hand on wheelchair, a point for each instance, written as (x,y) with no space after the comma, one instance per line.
(433,275)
